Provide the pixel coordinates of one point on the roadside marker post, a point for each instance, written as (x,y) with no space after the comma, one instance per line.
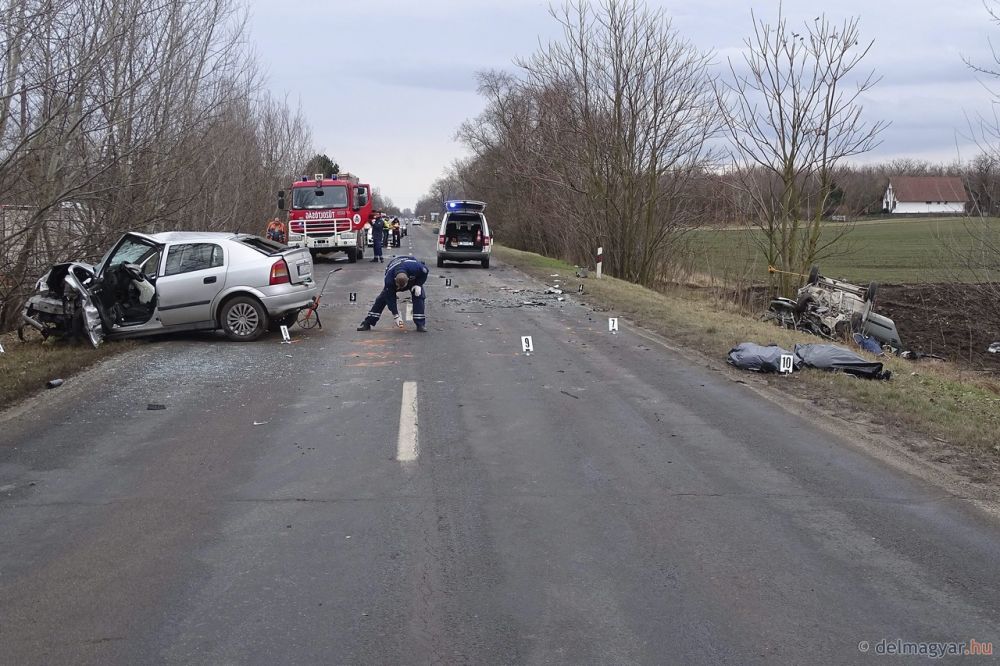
(286,338)
(600,261)
(526,345)
(786,364)
(613,325)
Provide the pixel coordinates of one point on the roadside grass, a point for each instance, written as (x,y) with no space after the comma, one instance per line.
(935,400)
(904,251)
(25,367)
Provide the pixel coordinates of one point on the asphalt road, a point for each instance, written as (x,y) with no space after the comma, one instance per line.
(601,500)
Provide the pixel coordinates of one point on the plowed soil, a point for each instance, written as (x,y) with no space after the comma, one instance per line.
(955,321)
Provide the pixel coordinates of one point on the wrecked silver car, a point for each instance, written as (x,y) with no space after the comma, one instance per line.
(834,309)
(175,281)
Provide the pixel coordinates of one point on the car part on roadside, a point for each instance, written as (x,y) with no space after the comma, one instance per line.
(994,348)
(53,383)
(834,309)
(757,358)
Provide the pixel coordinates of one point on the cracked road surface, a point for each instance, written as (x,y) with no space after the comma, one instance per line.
(602,500)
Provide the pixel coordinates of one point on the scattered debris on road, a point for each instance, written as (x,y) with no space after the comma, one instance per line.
(155,407)
(53,383)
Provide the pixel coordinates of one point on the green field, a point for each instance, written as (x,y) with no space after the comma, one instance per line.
(887,251)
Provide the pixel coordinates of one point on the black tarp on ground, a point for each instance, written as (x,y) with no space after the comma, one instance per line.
(750,356)
(832,357)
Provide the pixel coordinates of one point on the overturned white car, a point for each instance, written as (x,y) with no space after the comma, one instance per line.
(834,309)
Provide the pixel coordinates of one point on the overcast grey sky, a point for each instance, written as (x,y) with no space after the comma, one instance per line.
(385,84)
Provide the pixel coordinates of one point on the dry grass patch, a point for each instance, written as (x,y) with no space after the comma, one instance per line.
(932,400)
(25,367)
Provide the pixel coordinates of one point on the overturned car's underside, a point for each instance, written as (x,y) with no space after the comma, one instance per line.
(834,309)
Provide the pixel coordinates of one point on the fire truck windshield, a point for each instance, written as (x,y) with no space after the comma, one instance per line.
(311,198)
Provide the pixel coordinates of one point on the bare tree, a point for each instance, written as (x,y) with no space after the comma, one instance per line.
(121,115)
(599,137)
(793,114)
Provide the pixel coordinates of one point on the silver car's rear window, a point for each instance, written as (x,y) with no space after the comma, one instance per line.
(262,245)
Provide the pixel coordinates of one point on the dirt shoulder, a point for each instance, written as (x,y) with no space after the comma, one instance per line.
(26,367)
(933,411)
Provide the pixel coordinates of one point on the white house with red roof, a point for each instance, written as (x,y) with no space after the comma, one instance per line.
(940,195)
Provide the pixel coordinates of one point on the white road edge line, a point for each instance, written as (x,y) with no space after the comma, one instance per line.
(406,445)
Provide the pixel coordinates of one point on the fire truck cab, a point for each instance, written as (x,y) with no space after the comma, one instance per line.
(327,214)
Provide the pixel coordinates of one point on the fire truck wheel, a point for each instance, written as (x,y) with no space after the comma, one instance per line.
(352,255)
(243,319)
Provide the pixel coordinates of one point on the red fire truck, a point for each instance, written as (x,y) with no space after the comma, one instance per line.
(327,214)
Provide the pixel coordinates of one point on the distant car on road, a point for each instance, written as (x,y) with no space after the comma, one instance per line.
(464,234)
(175,281)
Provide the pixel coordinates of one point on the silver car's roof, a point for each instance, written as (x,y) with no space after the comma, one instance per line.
(188,236)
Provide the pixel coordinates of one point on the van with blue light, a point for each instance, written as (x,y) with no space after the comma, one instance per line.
(464,234)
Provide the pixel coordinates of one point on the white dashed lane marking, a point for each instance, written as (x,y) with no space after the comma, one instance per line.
(407,445)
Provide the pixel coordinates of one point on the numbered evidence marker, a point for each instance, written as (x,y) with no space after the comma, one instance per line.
(613,325)
(447,282)
(286,338)
(786,364)
(354,297)
(526,345)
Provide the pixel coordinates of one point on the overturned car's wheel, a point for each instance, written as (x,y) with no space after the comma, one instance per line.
(871,291)
(243,319)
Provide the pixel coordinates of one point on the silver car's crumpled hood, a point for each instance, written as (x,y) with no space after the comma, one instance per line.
(92,325)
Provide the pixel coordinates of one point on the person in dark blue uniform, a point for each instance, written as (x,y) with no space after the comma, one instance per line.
(378,235)
(402,274)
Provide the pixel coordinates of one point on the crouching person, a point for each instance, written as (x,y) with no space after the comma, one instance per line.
(402,274)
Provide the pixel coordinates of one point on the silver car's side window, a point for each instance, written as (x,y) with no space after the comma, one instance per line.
(189,257)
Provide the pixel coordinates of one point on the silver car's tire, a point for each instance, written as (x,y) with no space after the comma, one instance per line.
(243,319)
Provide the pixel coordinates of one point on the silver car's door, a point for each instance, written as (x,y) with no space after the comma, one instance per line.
(193,275)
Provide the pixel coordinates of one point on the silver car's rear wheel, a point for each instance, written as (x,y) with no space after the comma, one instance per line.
(243,319)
